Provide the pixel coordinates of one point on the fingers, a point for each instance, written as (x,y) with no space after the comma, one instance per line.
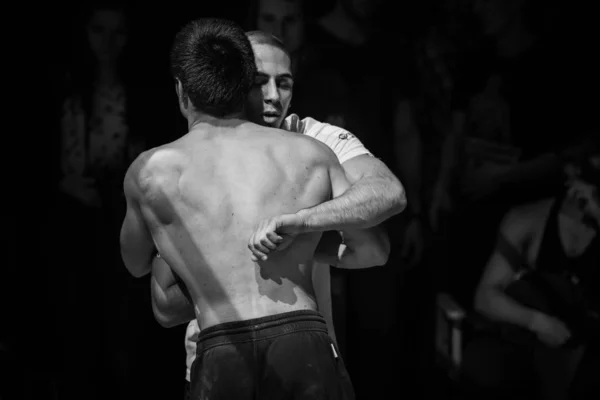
(268,244)
(257,255)
(564,335)
(274,238)
(264,241)
(259,250)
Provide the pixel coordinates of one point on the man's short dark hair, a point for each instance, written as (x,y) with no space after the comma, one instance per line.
(260,37)
(214,61)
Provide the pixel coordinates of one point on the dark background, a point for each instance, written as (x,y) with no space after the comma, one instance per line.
(29,329)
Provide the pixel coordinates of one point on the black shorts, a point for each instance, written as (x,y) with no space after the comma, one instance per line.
(285,356)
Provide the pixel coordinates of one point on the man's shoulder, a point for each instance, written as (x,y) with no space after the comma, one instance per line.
(311,127)
(525,220)
(343,143)
(153,163)
(306,147)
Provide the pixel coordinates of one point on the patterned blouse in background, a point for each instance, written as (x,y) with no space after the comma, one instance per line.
(108,150)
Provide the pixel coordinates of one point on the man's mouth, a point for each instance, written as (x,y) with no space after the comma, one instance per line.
(271,116)
(271,113)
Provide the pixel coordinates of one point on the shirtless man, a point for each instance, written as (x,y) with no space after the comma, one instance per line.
(552,235)
(261,335)
(268,104)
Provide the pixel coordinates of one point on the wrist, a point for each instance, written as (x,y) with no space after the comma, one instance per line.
(304,216)
(533,322)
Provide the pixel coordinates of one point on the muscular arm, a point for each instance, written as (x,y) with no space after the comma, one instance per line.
(490,298)
(354,248)
(374,196)
(137,245)
(538,173)
(351,248)
(171,303)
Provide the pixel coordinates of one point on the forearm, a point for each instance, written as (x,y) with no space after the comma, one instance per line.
(364,248)
(496,305)
(354,249)
(171,305)
(365,204)
(544,170)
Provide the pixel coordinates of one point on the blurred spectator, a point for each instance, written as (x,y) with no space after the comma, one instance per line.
(543,281)
(104,126)
(507,128)
(349,40)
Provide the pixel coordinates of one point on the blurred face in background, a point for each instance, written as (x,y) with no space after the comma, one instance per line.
(497,15)
(271,94)
(362,10)
(107,35)
(583,191)
(283,19)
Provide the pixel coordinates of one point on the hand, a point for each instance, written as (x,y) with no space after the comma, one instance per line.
(549,330)
(441,204)
(412,247)
(274,234)
(82,188)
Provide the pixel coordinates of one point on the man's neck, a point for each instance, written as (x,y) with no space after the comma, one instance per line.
(199,119)
(344,27)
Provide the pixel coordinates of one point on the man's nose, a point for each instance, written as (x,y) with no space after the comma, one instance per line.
(270,92)
(108,39)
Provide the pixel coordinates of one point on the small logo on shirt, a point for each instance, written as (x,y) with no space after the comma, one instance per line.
(343,136)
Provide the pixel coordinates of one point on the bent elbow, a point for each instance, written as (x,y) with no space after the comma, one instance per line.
(135,269)
(381,256)
(137,272)
(399,198)
(164,321)
(375,258)
(163,317)
(481,301)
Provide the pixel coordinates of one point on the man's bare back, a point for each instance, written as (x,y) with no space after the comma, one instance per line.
(203,195)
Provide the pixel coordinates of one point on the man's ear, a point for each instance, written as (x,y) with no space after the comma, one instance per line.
(181,95)
(179,89)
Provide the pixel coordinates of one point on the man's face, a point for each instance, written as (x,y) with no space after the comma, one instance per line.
(107,34)
(271,94)
(283,19)
(496,15)
(583,197)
